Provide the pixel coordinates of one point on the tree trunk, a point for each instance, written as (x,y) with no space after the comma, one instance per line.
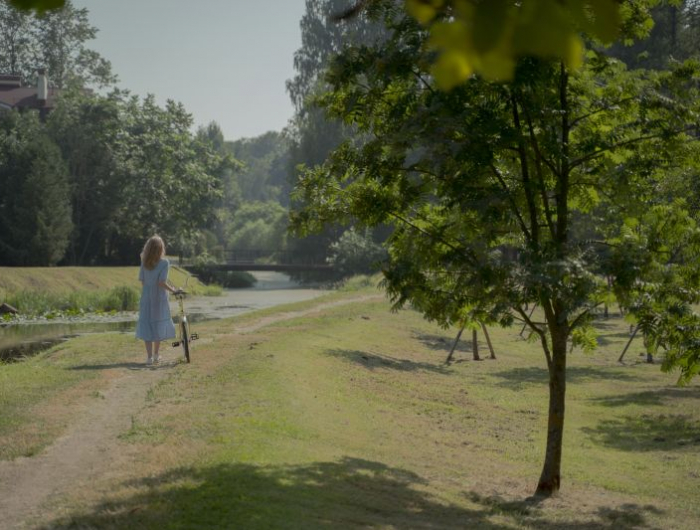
(649,347)
(525,324)
(550,479)
(449,357)
(488,341)
(628,344)
(475,346)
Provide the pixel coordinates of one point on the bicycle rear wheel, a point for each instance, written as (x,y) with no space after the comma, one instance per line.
(185,336)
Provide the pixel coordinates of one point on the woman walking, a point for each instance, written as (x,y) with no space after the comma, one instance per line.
(155,323)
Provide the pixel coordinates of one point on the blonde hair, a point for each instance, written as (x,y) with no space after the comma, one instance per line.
(153,251)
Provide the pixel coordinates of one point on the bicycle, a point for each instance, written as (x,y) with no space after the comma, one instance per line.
(185,338)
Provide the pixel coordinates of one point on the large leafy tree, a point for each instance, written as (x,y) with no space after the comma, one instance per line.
(312,133)
(35,209)
(264,175)
(487,186)
(55,40)
(171,177)
(87,128)
(135,168)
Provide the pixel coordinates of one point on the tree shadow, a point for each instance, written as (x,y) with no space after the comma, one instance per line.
(623,337)
(648,398)
(128,366)
(372,361)
(518,378)
(626,516)
(436,342)
(606,323)
(350,493)
(648,432)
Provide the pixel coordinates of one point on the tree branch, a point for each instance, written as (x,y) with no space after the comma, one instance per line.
(525,172)
(514,206)
(592,156)
(540,180)
(536,329)
(583,314)
(576,121)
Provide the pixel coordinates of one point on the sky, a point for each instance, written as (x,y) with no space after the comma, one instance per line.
(225,60)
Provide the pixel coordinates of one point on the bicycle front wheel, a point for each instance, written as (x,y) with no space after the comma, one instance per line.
(185,334)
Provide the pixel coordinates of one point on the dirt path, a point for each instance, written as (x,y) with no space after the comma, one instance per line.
(86,449)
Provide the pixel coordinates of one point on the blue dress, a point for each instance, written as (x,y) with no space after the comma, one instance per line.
(155,323)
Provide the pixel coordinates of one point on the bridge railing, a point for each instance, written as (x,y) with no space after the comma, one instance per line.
(282,257)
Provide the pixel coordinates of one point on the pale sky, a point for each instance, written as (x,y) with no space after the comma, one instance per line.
(225,60)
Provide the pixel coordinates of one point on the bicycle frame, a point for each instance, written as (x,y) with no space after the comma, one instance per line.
(185,337)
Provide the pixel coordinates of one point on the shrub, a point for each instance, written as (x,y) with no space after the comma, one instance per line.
(120,299)
(356,253)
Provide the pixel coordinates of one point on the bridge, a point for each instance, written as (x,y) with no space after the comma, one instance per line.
(253,260)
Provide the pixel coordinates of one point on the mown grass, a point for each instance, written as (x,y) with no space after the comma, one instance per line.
(39,395)
(349,419)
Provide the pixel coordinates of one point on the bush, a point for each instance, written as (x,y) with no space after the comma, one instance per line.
(212,290)
(223,279)
(356,253)
(121,299)
(359,283)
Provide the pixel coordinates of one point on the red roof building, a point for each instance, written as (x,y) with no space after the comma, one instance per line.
(15,96)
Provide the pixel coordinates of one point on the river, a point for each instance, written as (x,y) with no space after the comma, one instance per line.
(272,289)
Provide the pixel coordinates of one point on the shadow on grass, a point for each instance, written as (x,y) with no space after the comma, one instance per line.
(350,493)
(519,377)
(127,366)
(606,339)
(626,516)
(372,361)
(647,432)
(648,398)
(437,343)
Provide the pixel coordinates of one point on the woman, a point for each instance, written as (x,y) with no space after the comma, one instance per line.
(155,323)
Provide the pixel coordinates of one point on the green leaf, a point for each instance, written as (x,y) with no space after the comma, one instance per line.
(607,20)
(497,65)
(38,5)
(424,11)
(451,69)
(573,52)
(546,30)
(490,22)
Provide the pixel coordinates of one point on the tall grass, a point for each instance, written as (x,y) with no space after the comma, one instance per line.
(211,289)
(41,303)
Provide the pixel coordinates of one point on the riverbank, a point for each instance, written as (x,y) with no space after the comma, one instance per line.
(58,280)
(64,293)
(337,413)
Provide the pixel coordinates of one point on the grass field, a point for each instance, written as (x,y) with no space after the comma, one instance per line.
(349,419)
(60,280)
(42,290)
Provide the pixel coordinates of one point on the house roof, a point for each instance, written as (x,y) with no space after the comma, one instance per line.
(26,97)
